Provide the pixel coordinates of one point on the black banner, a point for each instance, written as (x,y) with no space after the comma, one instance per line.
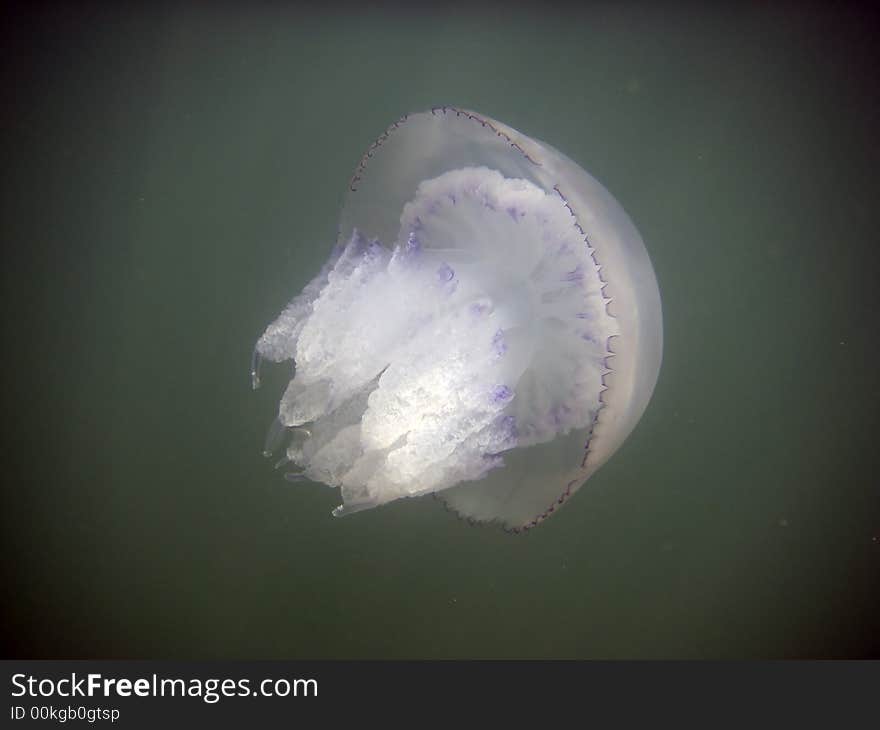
(132,694)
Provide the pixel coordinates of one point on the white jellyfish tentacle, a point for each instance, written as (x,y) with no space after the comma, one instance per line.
(274,438)
(256,360)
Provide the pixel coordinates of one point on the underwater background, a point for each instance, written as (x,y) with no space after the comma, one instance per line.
(172,177)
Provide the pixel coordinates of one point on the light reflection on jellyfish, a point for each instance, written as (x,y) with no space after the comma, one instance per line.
(487,328)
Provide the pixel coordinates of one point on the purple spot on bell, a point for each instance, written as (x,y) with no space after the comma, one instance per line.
(477,309)
(445,273)
(513,213)
(507,434)
(492,461)
(373,251)
(499,346)
(501,394)
(561,415)
(413,244)
(575,274)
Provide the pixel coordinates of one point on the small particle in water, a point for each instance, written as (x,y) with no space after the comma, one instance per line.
(783,522)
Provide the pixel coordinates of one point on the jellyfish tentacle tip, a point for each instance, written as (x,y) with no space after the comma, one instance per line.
(274,438)
(256,360)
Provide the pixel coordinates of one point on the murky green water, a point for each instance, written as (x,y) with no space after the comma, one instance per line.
(172,178)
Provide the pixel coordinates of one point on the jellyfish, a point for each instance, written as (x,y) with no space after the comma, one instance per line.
(486,329)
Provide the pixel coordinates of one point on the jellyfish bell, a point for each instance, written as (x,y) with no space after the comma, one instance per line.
(487,328)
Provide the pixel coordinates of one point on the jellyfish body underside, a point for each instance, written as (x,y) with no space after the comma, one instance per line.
(487,329)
